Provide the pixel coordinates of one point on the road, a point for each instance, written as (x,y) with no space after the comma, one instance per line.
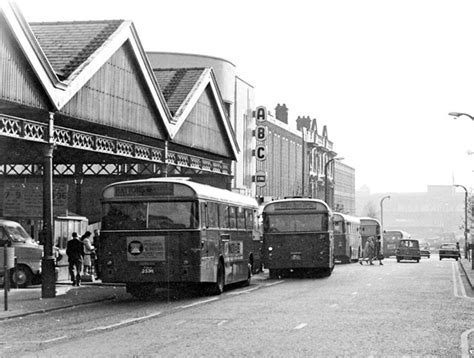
(398,309)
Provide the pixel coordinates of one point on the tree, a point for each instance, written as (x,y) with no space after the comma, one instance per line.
(370,210)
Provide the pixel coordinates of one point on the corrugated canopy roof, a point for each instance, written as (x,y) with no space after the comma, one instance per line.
(68,44)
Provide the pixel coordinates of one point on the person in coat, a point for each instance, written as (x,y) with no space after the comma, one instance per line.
(368,253)
(75,254)
(88,250)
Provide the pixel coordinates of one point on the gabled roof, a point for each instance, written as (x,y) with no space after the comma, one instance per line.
(65,55)
(182,88)
(176,84)
(67,45)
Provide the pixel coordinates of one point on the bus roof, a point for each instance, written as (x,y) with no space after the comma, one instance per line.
(201,191)
(306,200)
(368,219)
(348,218)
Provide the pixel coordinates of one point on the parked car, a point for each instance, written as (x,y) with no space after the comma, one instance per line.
(408,249)
(449,250)
(425,251)
(27,253)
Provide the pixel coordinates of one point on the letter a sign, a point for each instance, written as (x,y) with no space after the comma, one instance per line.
(261,114)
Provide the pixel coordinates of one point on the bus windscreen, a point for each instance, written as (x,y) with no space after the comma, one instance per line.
(296,223)
(153,215)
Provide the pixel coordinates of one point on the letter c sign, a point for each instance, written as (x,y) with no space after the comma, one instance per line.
(260,152)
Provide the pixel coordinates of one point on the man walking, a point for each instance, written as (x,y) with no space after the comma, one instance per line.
(75,254)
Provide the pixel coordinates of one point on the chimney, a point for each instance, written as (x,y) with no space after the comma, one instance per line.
(303,122)
(281,113)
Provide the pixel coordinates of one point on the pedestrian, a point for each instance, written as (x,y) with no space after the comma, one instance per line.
(75,254)
(88,250)
(378,250)
(95,258)
(368,252)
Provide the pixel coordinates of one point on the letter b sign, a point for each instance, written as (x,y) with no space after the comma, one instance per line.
(261,133)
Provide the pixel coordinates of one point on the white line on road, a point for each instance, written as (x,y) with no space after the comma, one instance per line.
(274,283)
(465,343)
(179,323)
(457,281)
(122,323)
(245,291)
(301,325)
(197,303)
(222,322)
(355,293)
(34,342)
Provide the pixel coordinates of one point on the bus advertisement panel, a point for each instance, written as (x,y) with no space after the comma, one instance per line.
(170,232)
(298,236)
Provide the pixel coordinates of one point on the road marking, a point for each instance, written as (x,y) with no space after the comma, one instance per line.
(457,281)
(35,342)
(123,323)
(222,322)
(334,305)
(245,291)
(179,323)
(274,283)
(197,303)
(355,293)
(301,325)
(465,343)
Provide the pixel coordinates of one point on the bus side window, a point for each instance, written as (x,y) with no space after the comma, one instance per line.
(223,216)
(232,217)
(212,215)
(240,218)
(204,216)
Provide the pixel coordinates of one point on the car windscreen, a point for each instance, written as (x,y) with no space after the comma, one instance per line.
(449,246)
(17,233)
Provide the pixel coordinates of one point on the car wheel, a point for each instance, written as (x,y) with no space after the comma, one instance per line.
(21,276)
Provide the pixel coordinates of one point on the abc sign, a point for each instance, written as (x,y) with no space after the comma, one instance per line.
(260,152)
(261,133)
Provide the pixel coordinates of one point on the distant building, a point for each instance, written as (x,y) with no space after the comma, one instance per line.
(344,188)
(436,215)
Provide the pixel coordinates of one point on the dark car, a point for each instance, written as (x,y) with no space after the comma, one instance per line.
(408,250)
(425,251)
(449,251)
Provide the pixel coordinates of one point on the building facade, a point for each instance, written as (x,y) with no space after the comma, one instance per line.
(344,188)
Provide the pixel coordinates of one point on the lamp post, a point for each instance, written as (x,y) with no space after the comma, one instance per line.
(326,189)
(466,230)
(381,213)
(459,114)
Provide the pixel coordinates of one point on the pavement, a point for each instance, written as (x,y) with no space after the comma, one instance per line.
(27,301)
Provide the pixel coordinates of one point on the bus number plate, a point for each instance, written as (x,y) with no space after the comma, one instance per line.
(148,269)
(296,256)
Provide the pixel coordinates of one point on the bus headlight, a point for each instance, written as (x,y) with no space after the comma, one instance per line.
(270,248)
(110,263)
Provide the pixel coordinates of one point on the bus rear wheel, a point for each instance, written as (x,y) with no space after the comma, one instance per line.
(218,287)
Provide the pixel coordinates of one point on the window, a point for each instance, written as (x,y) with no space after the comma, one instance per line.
(240,218)
(232,217)
(212,215)
(248,219)
(224,216)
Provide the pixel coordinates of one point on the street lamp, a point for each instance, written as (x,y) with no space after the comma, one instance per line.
(326,189)
(459,114)
(381,213)
(466,230)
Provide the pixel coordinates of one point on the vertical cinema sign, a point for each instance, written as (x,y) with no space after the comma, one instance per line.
(260,148)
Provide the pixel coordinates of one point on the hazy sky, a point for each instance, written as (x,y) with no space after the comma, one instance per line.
(382,75)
